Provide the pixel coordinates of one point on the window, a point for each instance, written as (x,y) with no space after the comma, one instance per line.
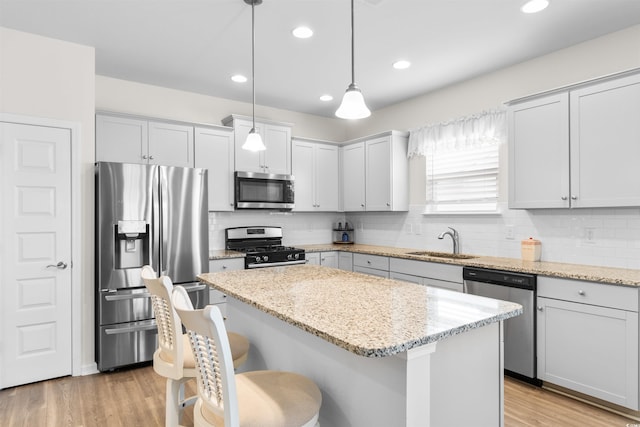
(461,163)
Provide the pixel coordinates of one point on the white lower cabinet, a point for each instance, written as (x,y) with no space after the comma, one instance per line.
(328,259)
(588,338)
(220,265)
(374,265)
(426,273)
(345,261)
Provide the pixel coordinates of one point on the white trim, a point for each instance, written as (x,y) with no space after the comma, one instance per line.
(77,258)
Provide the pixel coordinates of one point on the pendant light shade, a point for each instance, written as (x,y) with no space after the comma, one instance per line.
(353,106)
(254,140)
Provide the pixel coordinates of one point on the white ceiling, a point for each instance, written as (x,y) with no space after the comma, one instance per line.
(196,45)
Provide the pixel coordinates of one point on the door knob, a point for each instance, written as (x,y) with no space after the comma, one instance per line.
(61,265)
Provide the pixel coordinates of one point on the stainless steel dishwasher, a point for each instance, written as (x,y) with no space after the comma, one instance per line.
(519,331)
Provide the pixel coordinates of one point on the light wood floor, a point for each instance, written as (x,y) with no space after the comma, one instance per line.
(135,397)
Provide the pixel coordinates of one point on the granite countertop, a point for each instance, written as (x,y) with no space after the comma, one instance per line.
(366,315)
(616,276)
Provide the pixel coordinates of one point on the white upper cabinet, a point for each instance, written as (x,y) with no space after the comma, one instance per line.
(214,151)
(605,144)
(276,159)
(578,147)
(539,154)
(138,140)
(353,179)
(315,169)
(376,174)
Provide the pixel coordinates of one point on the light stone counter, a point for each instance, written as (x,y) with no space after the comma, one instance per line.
(365,315)
(616,276)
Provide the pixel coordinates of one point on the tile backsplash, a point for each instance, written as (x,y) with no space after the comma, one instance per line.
(606,237)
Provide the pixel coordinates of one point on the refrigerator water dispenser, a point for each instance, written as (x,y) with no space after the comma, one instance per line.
(132,244)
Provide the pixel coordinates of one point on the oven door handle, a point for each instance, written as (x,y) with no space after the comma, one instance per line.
(122,297)
(276,264)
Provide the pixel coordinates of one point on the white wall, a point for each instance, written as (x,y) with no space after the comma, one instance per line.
(154,101)
(48,78)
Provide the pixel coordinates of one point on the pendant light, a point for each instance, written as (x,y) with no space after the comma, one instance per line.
(353,106)
(253,141)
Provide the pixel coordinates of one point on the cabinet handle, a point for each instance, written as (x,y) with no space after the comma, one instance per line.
(539,308)
(388,204)
(362,204)
(144,156)
(369,262)
(574,197)
(224,267)
(581,292)
(150,157)
(564,197)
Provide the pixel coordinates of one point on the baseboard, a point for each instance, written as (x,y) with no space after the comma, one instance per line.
(594,401)
(89,369)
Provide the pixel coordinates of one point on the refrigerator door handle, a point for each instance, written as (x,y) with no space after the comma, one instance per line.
(121,297)
(194,288)
(129,329)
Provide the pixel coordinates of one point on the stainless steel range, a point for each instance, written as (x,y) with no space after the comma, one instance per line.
(262,246)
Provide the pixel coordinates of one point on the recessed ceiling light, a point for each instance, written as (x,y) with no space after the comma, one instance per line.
(302,32)
(401,65)
(534,6)
(239,78)
(326,98)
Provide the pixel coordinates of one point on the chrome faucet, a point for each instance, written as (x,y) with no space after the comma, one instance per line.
(454,236)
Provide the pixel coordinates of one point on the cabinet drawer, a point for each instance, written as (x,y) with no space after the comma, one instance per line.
(371,271)
(226,264)
(371,261)
(450,273)
(405,277)
(620,297)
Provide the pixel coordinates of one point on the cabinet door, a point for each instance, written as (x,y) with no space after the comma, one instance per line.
(378,174)
(539,153)
(345,261)
(170,144)
(329,259)
(246,161)
(303,172)
(214,151)
(326,178)
(277,156)
(353,185)
(605,144)
(120,139)
(589,349)
(312,258)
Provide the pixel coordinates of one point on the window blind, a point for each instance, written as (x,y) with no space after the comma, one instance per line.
(462,159)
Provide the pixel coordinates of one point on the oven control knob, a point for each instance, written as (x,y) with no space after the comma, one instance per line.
(293,256)
(265,258)
(258,259)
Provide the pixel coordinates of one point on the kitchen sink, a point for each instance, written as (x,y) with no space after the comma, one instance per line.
(442,255)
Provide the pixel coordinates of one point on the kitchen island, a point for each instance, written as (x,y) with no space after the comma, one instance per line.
(383,352)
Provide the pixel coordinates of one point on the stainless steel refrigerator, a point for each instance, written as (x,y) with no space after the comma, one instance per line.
(145,214)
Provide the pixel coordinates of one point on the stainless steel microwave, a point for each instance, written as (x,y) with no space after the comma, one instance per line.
(264,191)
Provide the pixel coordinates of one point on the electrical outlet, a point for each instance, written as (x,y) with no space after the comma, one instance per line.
(509,233)
(589,234)
(417,228)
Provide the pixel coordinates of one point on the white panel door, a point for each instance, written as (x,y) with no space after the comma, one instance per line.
(35,271)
